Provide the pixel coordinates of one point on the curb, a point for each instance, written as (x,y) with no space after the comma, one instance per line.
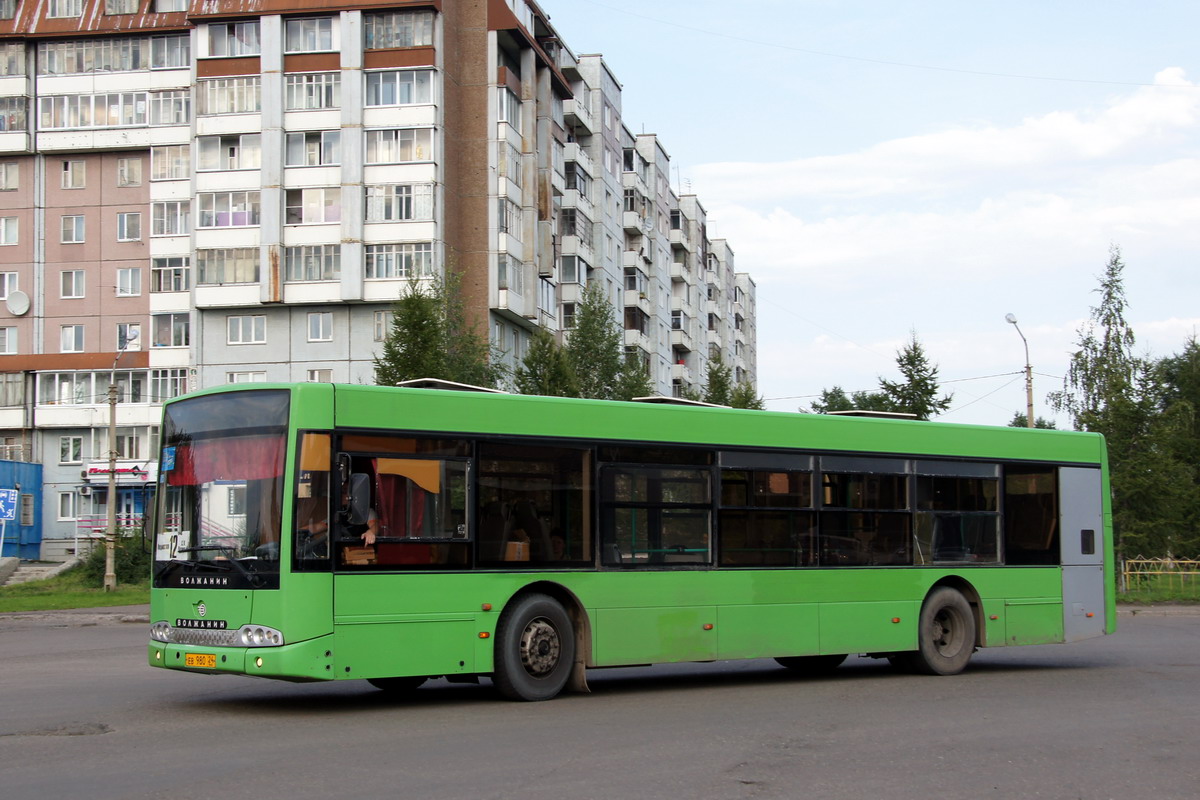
(78,617)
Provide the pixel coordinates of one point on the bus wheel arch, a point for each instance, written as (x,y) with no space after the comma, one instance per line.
(968,591)
(539,644)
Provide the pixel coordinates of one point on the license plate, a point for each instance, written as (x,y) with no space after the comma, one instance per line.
(202,660)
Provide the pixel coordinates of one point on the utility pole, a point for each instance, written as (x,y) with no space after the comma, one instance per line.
(110,534)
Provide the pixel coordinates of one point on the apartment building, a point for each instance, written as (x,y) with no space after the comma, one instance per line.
(201,193)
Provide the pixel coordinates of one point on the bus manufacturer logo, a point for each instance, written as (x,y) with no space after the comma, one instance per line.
(201,609)
(212,624)
(195,580)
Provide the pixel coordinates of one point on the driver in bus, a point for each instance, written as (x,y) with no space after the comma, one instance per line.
(312,530)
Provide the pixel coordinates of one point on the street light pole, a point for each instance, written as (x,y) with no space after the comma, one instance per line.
(1011,319)
(110,534)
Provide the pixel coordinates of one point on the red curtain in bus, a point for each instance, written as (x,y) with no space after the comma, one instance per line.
(243,458)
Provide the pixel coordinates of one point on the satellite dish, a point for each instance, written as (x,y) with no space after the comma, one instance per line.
(17,303)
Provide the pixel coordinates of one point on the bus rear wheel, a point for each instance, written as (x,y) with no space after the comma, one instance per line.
(535,649)
(811,665)
(945,636)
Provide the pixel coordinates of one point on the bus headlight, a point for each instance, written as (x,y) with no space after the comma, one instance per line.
(161,631)
(259,636)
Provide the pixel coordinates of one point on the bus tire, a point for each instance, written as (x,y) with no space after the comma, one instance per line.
(535,649)
(397,685)
(945,636)
(811,665)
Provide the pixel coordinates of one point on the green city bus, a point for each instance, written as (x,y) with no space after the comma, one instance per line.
(332,532)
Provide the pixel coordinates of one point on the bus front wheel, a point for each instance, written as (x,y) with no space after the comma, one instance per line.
(945,637)
(535,649)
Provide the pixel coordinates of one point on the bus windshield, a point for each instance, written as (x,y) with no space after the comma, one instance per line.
(221,495)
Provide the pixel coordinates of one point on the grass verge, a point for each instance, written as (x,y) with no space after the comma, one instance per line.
(69,590)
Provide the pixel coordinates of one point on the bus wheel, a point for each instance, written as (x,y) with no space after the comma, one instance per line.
(946,636)
(397,685)
(535,649)
(811,665)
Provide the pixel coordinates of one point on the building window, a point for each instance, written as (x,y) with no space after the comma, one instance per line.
(230,95)
(568,316)
(227,265)
(171,218)
(402,202)
(171,330)
(127,444)
(245,377)
(74,174)
(391,146)
(390,29)
(173,107)
(66,506)
(8,230)
(10,176)
(313,35)
(72,284)
(312,206)
(320,376)
(510,274)
(170,162)
(116,110)
(171,52)
(121,6)
(129,282)
(399,88)
(12,113)
(406,260)
(320,326)
(64,8)
(129,336)
(247,329)
(129,172)
(163,6)
(82,56)
(312,148)
(382,321)
(71,340)
(8,340)
(320,262)
(229,152)
(312,90)
(509,217)
(129,226)
(72,229)
(8,10)
(233,39)
(170,274)
(167,383)
(8,284)
(228,209)
(70,449)
(509,107)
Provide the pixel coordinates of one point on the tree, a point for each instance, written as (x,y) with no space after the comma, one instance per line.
(594,348)
(836,399)
(634,380)
(546,370)
(744,396)
(718,381)
(1018,421)
(917,393)
(431,338)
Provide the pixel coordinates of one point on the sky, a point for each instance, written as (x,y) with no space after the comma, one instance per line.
(885,169)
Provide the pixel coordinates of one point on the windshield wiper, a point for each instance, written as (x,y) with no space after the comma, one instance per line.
(231,558)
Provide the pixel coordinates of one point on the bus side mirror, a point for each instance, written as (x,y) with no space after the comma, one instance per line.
(358,506)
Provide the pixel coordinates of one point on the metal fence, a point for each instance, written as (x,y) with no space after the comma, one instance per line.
(1160,579)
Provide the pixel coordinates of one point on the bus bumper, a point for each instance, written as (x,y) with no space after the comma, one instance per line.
(304,661)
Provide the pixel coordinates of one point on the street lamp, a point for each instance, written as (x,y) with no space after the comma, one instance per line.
(110,534)
(1012,319)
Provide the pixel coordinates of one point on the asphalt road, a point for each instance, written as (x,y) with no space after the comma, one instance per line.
(81,716)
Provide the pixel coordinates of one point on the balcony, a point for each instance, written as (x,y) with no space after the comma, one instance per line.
(577,113)
(680,240)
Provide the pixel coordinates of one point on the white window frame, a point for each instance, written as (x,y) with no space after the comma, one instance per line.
(316,262)
(229,152)
(233,39)
(74,229)
(10,176)
(129,171)
(382,323)
(174,332)
(129,282)
(129,226)
(403,87)
(67,506)
(72,284)
(71,339)
(398,146)
(9,230)
(170,274)
(8,340)
(74,174)
(399,202)
(246,329)
(171,218)
(309,91)
(312,148)
(245,377)
(8,284)
(70,450)
(319,376)
(170,162)
(319,205)
(242,209)
(63,9)
(308,35)
(398,260)
(320,326)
